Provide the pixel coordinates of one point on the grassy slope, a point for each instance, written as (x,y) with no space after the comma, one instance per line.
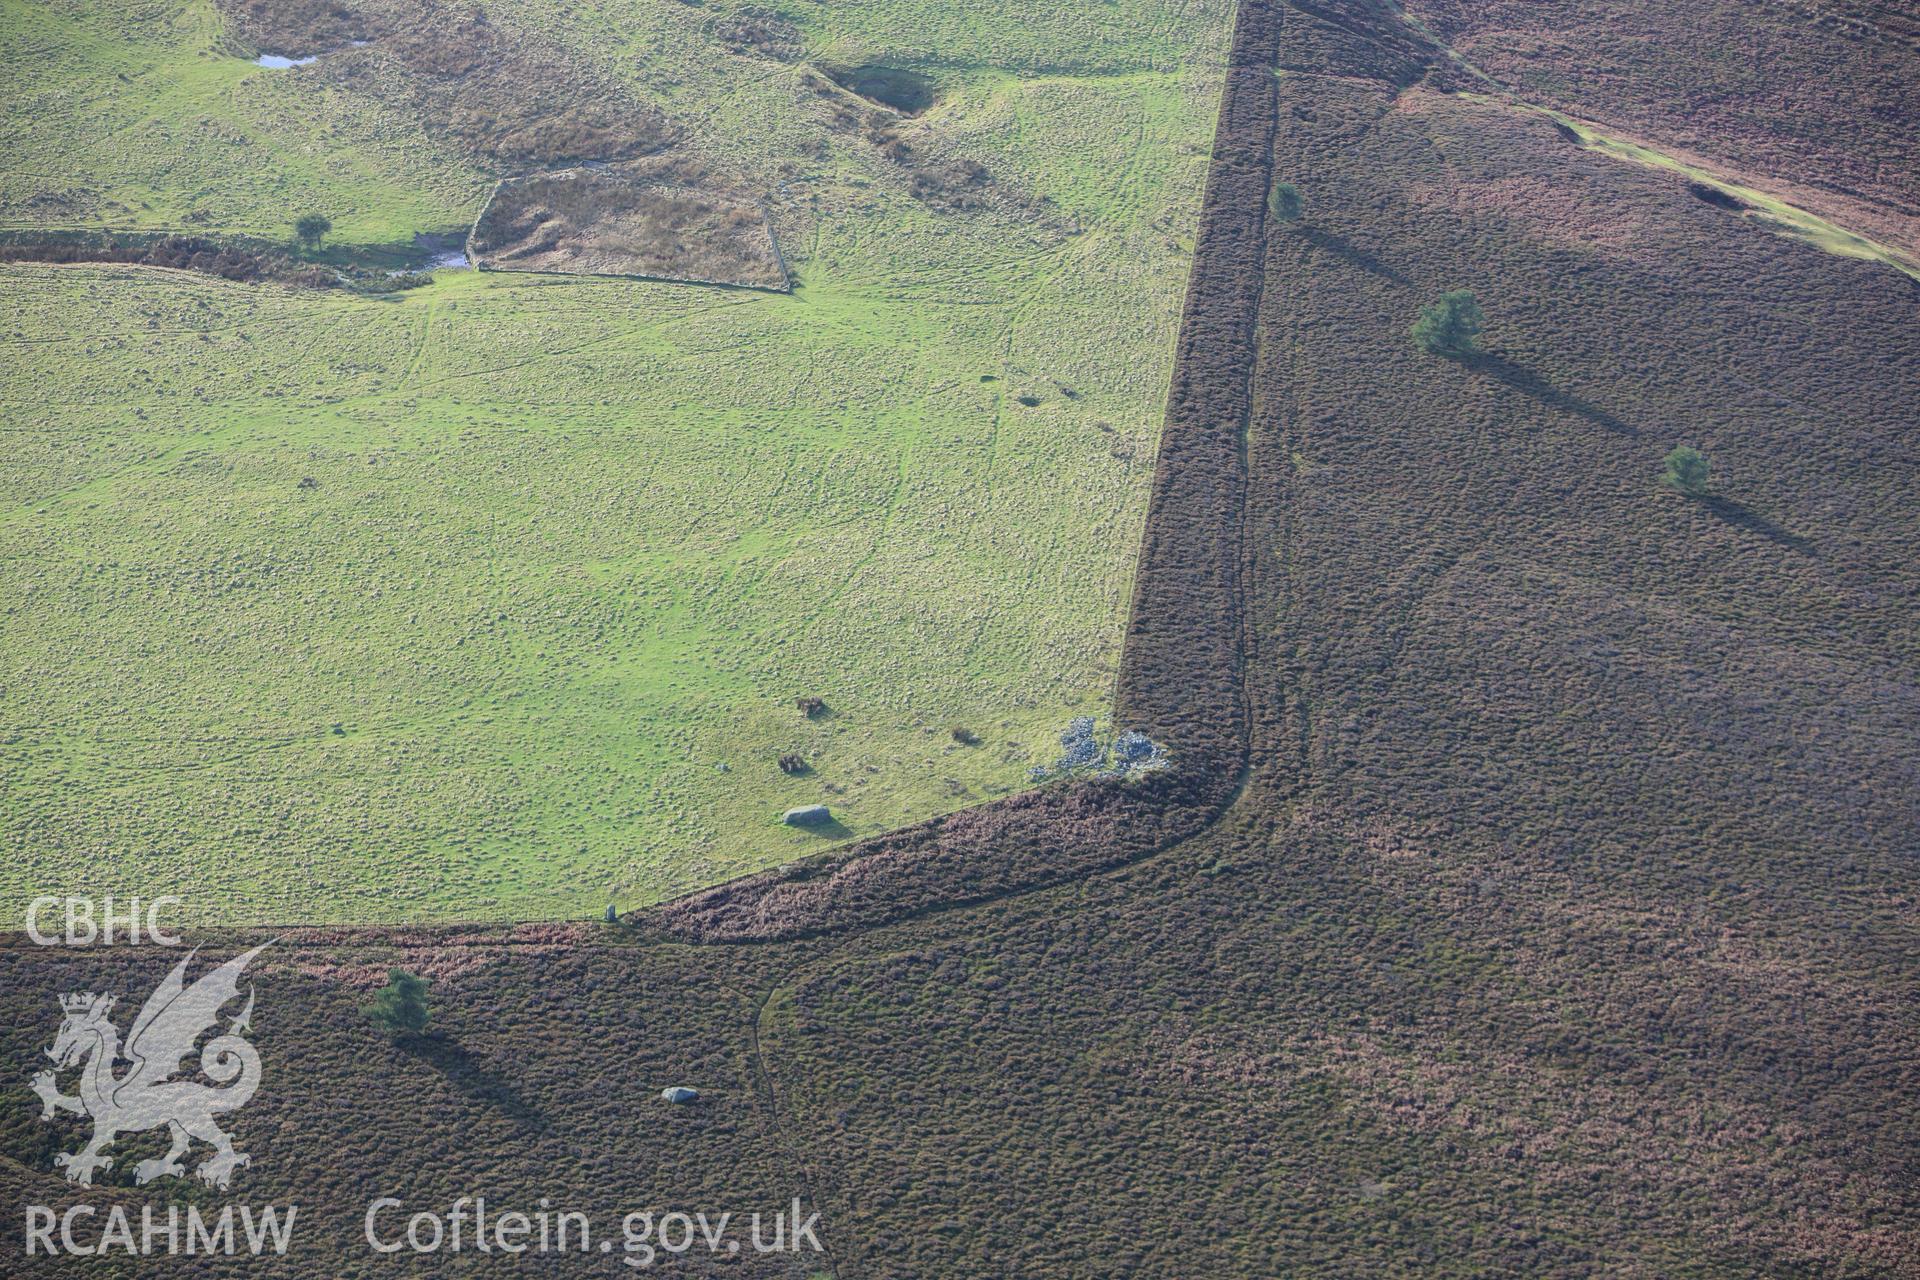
(1566,928)
(575,544)
(143,117)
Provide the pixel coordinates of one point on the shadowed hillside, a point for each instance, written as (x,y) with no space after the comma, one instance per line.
(1563,921)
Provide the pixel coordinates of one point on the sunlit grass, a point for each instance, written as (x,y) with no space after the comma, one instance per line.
(454,603)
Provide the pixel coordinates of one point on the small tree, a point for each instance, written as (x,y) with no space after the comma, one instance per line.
(312,228)
(1284,202)
(1449,326)
(1686,471)
(400,1007)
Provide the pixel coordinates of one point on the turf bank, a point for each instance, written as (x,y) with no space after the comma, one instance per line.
(87,1231)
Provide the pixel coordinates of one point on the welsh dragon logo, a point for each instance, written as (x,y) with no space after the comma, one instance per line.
(146,1095)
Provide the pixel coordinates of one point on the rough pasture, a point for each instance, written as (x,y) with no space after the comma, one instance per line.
(1565,923)
(491,599)
(1180,680)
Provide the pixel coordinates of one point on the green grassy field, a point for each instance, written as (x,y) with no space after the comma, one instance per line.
(143,117)
(492,599)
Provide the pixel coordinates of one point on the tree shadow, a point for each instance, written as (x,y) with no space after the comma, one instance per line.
(473,1078)
(1523,379)
(1742,517)
(1360,258)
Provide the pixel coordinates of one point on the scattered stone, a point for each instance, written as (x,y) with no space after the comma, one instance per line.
(1082,752)
(613,916)
(679,1095)
(807,815)
(1135,752)
(1082,749)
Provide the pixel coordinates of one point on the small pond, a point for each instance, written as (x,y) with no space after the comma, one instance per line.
(279,63)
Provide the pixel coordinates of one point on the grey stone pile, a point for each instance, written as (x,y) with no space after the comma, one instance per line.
(1082,752)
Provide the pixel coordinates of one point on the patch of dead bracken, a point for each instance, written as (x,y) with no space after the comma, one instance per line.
(586,221)
(511,98)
